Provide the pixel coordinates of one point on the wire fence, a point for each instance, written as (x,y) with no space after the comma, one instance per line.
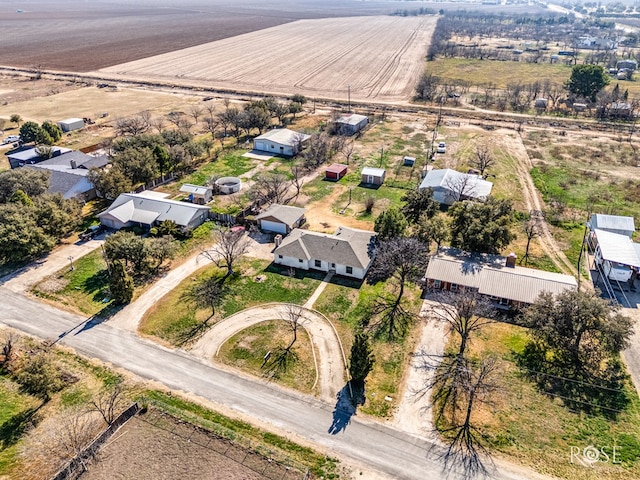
(206,434)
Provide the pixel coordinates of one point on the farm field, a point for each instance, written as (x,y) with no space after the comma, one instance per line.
(377,58)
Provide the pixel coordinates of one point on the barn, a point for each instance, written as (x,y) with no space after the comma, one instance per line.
(336,171)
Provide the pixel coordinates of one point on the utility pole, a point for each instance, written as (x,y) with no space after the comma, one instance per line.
(70,262)
(349,96)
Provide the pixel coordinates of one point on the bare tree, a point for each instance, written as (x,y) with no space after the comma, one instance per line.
(460,187)
(348,148)
(484,159)
(465,450)
(131,126)
(145,117)
(7,353)
(404,260)
(531,229)
(297,181)
(212,124)
(228,249)
(282,357)
(158,123)
(271,188)
(109,403)
(464,313)
(196,112)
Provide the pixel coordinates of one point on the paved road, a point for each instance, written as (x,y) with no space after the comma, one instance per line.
(383,448)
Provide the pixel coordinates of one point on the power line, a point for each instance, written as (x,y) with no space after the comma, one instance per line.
(575,381)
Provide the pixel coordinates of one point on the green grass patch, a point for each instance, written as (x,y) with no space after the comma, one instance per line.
(84,288)
(585,192)
(241,432)
(173,317)
(495,72)
(537,430)
(346,305)
(15,411)
(247,349)
(231,163)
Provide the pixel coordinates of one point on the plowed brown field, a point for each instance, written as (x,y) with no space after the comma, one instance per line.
(375,57)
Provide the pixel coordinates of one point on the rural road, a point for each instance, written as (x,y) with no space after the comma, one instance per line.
(329,355)
(380,447)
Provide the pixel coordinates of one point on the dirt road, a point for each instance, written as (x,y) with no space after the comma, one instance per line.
(512,145)
(328,353)
(25,278)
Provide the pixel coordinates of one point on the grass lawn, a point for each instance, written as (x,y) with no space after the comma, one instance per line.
(537,430)
(345,305)
(231,163)
(172,318)
(85,288)
(15,410)
(247,349)
(245,434)
(498,73)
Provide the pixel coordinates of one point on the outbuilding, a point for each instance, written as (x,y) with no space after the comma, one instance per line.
(281,218)
(613,224)
(409,161)
(281,141)
(373,176)
(197,194)
(71,124)
(350,124)
(336,171)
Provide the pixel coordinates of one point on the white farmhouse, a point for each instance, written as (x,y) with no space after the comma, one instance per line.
(280,141)
(348,252)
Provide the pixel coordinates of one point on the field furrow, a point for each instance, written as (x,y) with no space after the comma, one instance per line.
(378,58)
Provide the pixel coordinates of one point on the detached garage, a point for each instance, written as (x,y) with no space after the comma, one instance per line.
(336,171)
(281,219)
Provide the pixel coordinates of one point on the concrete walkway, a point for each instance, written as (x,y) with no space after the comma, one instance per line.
(329,355)
(313,298)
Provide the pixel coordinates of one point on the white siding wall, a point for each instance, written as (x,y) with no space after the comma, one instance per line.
(291,262)
(273,147)
(357,272)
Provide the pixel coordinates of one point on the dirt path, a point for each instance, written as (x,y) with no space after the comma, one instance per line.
(414,414)
(328,349)
(321,217)
(512,145)
(25,278)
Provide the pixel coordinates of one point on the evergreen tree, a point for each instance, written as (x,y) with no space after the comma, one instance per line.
(120,283)
(362,358)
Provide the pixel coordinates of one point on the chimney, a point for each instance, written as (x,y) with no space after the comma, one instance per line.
(74,165)
(511,260)
(278,240)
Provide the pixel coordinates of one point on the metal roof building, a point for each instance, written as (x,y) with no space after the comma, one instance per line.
(617,248)
(490,275)
(613,223)
(449,185)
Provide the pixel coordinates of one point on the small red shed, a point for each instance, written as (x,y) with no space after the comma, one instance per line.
(336,171)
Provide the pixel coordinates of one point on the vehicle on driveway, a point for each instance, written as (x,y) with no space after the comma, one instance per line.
(91,232)
(442,148)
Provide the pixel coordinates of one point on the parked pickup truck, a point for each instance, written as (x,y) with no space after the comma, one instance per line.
(11,139)
(90,232)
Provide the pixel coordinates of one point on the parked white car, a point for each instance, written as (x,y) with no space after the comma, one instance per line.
(11,139)
(442,148)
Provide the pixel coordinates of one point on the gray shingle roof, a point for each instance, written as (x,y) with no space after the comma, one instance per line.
(491,277)
(140,208)
(346,247)
(282,213)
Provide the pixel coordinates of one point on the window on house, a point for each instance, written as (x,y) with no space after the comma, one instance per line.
(349,270)
(318,263)
(300,260)
(454,287)
(279,256)
(437,284)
